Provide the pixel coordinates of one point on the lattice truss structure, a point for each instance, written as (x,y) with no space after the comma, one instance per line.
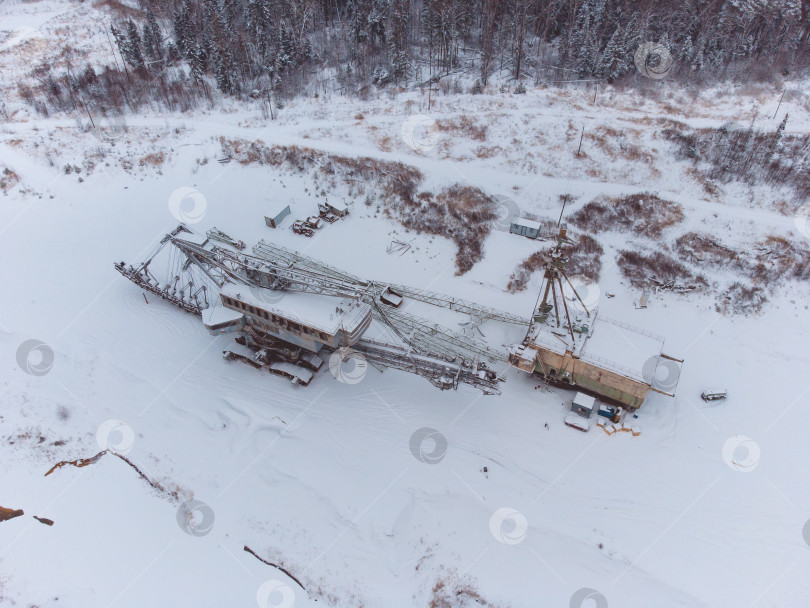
(188,270)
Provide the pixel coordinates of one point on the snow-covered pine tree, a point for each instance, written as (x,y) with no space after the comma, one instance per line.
(183,29)
(152,38)
(612,64)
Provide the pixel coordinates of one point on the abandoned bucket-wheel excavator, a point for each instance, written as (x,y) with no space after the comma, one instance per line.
(289,310)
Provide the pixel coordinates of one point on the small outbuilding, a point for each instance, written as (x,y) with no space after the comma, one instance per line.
(339,209)
(277,215)
(391,297)
(583,405)
(524,227)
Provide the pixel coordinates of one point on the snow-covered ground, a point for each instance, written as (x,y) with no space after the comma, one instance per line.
(338,483)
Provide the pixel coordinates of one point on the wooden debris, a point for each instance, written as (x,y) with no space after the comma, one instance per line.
(284,570)
(81,462)
(44,520)
(398,247)
(6,514)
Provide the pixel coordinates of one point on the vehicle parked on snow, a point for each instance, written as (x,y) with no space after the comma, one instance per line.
(326,214)
(300,228)
(714,394)
(575,421)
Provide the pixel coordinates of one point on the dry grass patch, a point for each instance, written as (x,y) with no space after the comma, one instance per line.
(153,159)
(463,125)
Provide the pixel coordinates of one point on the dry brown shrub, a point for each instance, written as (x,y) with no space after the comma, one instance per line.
(584,259)
(699,176)
(452,592)
(701,248)
(488,151)
(8,179)
(644,214)
(657,270)
(463,214)
(740,299)
(776,259)
(766,263)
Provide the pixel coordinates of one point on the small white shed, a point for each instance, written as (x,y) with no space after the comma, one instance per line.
(339,209)
(525,227)
(583,405)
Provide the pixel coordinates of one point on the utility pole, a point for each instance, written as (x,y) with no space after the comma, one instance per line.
(580,140)
(780,103)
